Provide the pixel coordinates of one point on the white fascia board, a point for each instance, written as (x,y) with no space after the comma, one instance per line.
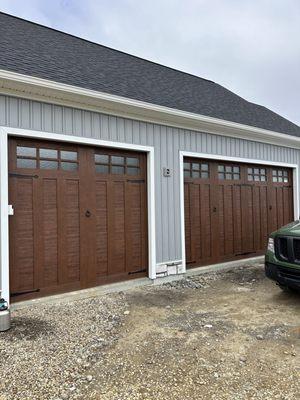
(25,86)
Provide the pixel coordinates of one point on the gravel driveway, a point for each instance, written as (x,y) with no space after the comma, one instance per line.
(230,335)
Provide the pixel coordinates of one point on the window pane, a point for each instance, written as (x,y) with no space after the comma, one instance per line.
(228,176)
(274,172)
(187,174)
(256,178)
(133,161)
(117,160)
(263,178)
(250,178)
(196,166)
(102,169)
(204,175)
(280,179)
(186,165)
(279,173)
(285,173)
(48,153)
(221,176)
(263,171)
(48,164)
(228,168)
(236,169)
(117,170)
(26,151)
(25,163)
(236,177)
(195,174)
(68,166)
(250,170)
(285,179)
(68,155)
(221,168)
(204,167)
(102,158)
(133,171)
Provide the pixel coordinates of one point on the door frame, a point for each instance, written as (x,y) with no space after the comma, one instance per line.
(6,132)
(182,154)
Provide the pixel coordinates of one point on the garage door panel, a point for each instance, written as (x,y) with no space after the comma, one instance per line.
(23,260)
(247,203)
(247,219)
(228,220)
(256,218)
(237,219)
(101,228)
(135,226)
(71,266)
(117,228)
(80,216)
(50,233)
(187,221)
(205,221)
(197,239)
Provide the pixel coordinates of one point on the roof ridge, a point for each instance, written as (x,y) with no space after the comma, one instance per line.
(106,47)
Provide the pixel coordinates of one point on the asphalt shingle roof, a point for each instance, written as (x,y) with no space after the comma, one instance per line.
(35,50)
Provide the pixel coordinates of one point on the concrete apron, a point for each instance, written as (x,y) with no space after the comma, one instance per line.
(127,285)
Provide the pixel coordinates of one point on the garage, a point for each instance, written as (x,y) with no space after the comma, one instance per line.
(230,208)
(80,216)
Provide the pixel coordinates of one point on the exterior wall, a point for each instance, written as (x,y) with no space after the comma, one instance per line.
(167,143)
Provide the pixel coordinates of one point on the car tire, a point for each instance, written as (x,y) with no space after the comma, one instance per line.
(286,289)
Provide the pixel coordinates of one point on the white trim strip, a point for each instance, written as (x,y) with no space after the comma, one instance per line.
(4,245)
(15,84)
(183,154)
(6,132)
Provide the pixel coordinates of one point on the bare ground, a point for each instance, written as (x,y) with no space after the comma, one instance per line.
(230,335)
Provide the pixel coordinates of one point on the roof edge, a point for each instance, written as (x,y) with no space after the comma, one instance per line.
(48,91)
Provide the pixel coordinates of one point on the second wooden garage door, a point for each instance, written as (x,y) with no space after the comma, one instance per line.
(230,209)
(80,217)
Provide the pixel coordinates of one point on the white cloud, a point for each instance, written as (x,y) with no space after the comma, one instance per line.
(252,46)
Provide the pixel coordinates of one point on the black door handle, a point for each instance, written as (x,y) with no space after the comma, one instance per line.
(215,209)
(88,213)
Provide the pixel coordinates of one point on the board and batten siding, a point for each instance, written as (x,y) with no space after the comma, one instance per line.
(167,142)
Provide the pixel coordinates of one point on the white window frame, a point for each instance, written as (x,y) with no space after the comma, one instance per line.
(6,132)
(221,158)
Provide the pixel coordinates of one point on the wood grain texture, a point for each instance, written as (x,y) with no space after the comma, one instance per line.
(79,228)
(229,219)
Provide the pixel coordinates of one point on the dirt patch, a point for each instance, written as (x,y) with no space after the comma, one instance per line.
(231,335)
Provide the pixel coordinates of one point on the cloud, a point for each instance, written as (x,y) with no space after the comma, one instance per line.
(252,46)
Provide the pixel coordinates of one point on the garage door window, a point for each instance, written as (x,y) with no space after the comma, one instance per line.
(279,175)
(229,172)
(196,170)
(117,165)
(257,175)
(44,158)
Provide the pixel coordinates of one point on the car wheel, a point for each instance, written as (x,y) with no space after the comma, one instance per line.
(287,289)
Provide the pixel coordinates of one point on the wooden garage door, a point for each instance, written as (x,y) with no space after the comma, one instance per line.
(80,217)
(230,209)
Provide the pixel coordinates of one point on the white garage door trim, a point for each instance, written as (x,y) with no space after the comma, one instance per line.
(183,154)
(5,132)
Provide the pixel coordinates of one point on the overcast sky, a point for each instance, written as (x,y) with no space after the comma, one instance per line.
(252,47)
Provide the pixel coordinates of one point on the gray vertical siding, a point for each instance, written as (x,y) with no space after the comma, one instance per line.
(21,113)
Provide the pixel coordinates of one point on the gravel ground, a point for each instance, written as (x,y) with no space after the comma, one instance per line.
(231,335)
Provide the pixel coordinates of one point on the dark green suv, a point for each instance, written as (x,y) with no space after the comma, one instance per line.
(282,261)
